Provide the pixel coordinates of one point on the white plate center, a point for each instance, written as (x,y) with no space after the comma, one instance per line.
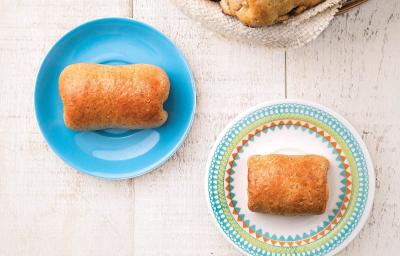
(286,141)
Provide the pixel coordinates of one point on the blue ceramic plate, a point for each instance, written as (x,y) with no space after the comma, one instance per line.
(113,153)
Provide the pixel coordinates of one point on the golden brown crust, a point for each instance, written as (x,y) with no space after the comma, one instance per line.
(287,185)
(257,13)
(101,96)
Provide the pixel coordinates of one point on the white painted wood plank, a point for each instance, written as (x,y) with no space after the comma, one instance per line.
(354,69)
(47,208)
(171,215)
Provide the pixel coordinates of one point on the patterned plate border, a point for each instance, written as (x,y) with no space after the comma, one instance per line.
(363,176)
(333,218)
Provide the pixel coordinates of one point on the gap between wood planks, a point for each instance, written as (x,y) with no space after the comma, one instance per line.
(285,78)
(131,9)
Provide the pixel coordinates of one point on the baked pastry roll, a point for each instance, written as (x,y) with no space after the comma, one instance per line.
(288,185)
(257,13)
(102,96)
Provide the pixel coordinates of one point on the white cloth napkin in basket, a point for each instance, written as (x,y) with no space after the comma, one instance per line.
(296,32)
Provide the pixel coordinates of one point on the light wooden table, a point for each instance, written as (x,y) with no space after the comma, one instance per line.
(48,208)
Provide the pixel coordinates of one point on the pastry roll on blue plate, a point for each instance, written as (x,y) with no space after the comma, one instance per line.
(103,96)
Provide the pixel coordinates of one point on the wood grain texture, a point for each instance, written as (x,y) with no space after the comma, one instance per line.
(353,68)
(47,208)
(171,215)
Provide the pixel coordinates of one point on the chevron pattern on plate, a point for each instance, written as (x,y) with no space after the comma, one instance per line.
(299,239)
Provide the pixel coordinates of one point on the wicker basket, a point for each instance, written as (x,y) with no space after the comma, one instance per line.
(296,32)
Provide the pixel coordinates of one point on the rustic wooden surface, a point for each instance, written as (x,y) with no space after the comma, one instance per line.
(47,208)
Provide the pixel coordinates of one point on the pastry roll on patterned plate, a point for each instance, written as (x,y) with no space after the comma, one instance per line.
(288,185)
(101,96)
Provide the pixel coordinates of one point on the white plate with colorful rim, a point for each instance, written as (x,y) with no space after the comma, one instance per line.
(290,127)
